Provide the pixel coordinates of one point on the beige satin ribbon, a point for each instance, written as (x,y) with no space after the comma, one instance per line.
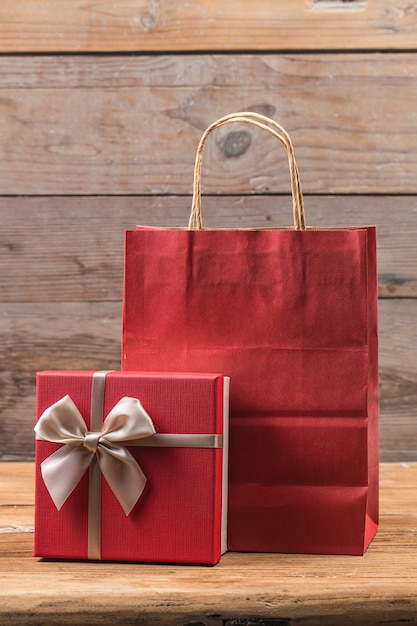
(103,452)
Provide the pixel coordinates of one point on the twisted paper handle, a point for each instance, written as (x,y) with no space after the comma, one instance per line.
(279,133)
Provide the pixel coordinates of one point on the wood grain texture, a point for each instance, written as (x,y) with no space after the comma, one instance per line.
(117,125)
(125,125)
(71,249)
(62,288)
(398,379)
(152,25)
(376,589)
(82,335)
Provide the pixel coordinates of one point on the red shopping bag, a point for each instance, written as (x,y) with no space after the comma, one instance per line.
(291,316)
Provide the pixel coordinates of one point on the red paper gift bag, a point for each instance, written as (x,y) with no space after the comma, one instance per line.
(131,466)
(291,317)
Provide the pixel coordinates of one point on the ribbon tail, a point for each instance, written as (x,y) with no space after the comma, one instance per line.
(123,475)
(63,470)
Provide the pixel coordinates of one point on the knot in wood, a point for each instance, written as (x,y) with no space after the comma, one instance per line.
(236,143)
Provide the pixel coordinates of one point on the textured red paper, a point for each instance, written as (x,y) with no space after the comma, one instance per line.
(179,516)
(291,317)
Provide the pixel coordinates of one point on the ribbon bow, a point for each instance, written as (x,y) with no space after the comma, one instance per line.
(63,423)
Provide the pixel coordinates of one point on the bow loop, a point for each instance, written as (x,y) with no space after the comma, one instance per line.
(63,423)
(127,421)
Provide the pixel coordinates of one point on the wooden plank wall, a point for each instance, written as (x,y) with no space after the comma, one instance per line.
(101,109)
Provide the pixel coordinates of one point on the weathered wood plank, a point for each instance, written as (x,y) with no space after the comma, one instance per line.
(16,485)
(130,125)
(58,335)
(398,379)
(17,481)
(150,25)
(71,249)
(248,589)
(35,336)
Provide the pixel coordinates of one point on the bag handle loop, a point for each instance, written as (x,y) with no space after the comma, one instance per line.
(272,127)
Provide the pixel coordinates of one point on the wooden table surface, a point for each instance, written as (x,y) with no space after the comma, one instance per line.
(242,590)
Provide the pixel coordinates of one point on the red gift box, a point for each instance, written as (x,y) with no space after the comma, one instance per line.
(131,466)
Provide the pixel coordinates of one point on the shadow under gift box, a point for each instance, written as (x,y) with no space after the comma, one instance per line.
(181,515)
